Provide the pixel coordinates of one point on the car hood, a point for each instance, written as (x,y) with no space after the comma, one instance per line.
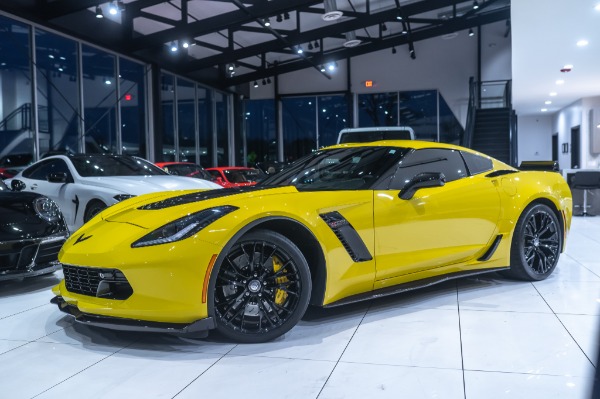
(138,185)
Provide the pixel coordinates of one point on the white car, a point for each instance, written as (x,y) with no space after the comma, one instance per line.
(83,185)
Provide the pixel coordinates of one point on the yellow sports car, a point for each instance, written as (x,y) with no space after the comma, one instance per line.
(343,224)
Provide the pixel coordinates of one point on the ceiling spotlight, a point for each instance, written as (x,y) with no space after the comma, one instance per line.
(231,74)
(310,46)
(185,44)
(475,5)
(399,15)
(471,33)
(266,22)
(393,50)
(99,13)
(279,18)
(404,30)
(548,102)
(331,66)
(560,82)
(299,50)
(544,109)
(230,67)
(286,15)
(317,45)
(107,81)
(173,46)
(264,82)
(322,68)
(255,84)
(331,12)
(268,80)
(582,43)
(553,94)
(383,27)
(597,8)
(112,9)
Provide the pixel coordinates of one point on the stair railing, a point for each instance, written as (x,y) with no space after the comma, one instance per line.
(19,119)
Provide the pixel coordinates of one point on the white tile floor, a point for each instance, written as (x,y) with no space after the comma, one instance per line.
(475,338)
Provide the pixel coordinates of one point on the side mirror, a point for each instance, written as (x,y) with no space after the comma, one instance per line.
(58,177)
(422,180)
(17,185)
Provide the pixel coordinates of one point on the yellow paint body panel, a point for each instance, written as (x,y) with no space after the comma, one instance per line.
(440,230)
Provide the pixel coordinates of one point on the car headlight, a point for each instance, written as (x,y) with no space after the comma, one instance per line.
(123,197)
(183,228)
(47,209)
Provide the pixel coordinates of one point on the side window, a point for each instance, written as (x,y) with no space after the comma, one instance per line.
(476,163)
(448,162)
(43,169)
(214,173)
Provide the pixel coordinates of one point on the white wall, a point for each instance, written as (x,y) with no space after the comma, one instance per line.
(535,138)
(496,57)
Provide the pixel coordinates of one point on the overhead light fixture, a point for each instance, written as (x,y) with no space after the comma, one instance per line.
(404,30)
(286,15)
(310,46)
(299,50)
(351,40)
(475,5)
(255,84)
(268,80)
(112,8)
(393,50)
(107,81)
(411,50)
(597,8)
(383,27)
(231,67)
(266,22)
(553,94)
(279,18)
(547,102)
(173,46)
(99,13)
(399,15)
(264,82)
(332,66)
(322,68)
(185,44)
(582,43)
(331,12)
(317,45)
(544,109)
(560,82)
(471,33)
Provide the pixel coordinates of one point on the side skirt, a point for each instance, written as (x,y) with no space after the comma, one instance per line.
(413,285)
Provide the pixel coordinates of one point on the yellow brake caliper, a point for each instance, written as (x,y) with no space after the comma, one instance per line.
(280,295)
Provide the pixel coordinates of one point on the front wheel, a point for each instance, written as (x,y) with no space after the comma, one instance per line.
(93,208)
(262,288)
(536,244)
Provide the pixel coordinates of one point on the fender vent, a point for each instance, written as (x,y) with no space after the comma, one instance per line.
(488,254)
(348,236)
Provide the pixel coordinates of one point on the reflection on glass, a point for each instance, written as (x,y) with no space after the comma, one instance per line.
(58,94)
(259,119)
(167,98)
(133,124)
(378,109)
(418,109)
(186,125)
(299,126)
(333,117)
(205,122)
(222,129)
(99,99)
(16,130)
(451,130)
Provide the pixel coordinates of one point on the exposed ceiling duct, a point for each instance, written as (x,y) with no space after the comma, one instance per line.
(351,40)
(331,11)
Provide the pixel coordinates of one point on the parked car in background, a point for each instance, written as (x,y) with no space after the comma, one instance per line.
(32,231)
(369,134)
(236,176)
(83,185)
(187,169)
(11,164)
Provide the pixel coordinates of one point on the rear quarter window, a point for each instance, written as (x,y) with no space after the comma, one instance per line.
(476,163)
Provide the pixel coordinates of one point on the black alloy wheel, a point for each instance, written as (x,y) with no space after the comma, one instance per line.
(262,288)
(537,243)
(93,208)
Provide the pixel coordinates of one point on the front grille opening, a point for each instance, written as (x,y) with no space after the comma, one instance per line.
(97,282)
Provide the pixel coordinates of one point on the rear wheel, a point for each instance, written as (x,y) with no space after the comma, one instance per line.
(262,288)
(536,245)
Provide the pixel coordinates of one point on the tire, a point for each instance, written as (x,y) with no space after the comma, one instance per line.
(262,288)
(536,244)
(93,208)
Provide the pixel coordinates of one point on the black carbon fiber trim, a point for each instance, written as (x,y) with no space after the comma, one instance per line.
(348,236)
(201,196)
(488,254)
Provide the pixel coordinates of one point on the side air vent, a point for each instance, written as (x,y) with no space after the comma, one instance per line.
(488,254)
(348,236)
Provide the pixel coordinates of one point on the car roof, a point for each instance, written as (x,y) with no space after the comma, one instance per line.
(416,144)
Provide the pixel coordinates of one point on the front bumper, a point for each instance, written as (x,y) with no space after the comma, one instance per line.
(30,257)
(122,324)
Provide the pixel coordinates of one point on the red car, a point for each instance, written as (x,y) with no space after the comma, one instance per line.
(236,176)
(188,169)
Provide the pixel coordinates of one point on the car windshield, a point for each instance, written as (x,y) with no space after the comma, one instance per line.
(114,165)
(355,168)
(244,175)
(188,169)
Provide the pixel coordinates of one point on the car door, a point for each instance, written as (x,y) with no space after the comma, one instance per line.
(36,180)
(438,226)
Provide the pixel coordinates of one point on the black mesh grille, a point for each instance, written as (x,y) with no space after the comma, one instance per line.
(105,283)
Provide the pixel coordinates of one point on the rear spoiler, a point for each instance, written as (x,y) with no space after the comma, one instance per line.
(551,166)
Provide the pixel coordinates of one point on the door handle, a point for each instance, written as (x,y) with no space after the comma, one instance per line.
(33,186)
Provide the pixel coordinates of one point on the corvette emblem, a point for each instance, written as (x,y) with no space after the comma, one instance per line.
(81,238)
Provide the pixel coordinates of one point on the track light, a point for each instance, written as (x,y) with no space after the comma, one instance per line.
(404,30)
(322,68)
(173,46)
(99,13)
(279,18)
(310,46)
(393,50)
(185,44)
(286,15)
(383,27)
(266,22)
(255,84)
(317,45)
(230,67)
(471,33)
(264,82)
(112,9)
(399,15)
(299,50)
(475,5)
(269,80)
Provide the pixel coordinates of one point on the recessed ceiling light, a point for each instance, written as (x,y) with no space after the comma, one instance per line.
(560,82)
(597,8)
(568,66)
(553,94)
(548,102)
(582,43)
(544,109)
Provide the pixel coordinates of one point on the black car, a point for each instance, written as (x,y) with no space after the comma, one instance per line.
(32,231)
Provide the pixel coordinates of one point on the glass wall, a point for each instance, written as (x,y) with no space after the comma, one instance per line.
(186,92)
(378,109)
(17,140)
(99,100)
(418,109)
(57,93)
(299,126)
(167,103)
(333,117)
(205,122)
(261,131)
(222,107)
(133,107)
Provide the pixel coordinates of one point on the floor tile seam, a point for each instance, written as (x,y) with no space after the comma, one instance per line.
(529,374)
(79,372)
(344,351)
(584,266)
(203,372)
(15,348)
(550,312)
(280,357)
(460,340)
(568,332)
(23,311)
(399,365)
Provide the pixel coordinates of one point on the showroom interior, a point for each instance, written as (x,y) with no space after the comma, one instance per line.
(250,82)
